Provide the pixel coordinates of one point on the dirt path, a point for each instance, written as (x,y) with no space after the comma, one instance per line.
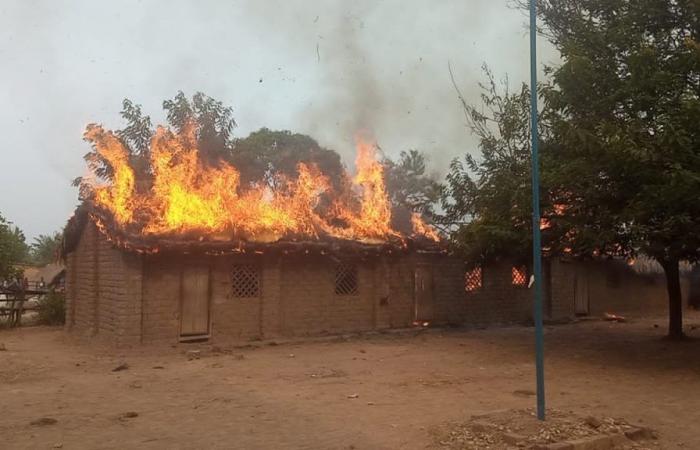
(374,393)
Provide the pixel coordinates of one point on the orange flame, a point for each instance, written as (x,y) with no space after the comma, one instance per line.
(118,197)
(373,220)
(421,228)
(186,195)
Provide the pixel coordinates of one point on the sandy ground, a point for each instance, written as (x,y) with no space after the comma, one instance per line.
(387,391)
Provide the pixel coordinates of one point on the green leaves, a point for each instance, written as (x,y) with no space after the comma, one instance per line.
(486,199)
(408,184)
(265,154)
(44,249)
(13,249)
(214,123)
(626,103)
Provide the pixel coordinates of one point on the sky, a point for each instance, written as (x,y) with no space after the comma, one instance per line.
(324,68)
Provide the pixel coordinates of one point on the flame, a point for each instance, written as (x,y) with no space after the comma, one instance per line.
(421,228)
(373,220)
(185,195)
(118,197)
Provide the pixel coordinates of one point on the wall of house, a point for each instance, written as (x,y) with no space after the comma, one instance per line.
(161,299)
(127,298)
(615,287)
(496,301)
(297,298)
(103,290)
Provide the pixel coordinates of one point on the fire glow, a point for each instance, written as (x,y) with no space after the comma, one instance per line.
(184,195)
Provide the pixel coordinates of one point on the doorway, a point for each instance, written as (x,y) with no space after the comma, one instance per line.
(194,320)
(581,292)
(424,299)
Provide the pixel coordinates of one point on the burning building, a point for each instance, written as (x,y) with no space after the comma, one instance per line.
(181,251)
(187,253)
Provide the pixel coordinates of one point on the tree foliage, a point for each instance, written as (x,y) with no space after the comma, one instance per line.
(627,97)
(44,248)
(408,184)
(620,142)
(13,249)
(51,308)
(263,157)
(213,121)
(487,199)
(266,152)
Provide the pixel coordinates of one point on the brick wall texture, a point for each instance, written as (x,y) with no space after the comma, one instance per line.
(130,299)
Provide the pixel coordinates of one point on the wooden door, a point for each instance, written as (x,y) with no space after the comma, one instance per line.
(581,294)
(194,320)
(424,301)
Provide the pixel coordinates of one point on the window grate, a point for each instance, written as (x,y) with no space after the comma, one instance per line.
(519,276)
(473,279)
(246,281)
(346,279)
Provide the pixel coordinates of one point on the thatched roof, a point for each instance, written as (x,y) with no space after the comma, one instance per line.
(198,244)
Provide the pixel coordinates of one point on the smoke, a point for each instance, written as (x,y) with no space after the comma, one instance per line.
(380,68)
(328,68)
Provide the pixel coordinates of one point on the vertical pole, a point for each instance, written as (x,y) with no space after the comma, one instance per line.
(536,238)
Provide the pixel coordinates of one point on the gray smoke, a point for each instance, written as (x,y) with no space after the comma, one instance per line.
(381,68)
(327,68)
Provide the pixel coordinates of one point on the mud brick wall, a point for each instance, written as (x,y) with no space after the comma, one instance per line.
(309,304)
(104,290)
(270,307)
(560,302)
(235,318)
(127,299)
(81,289)
(161,299)
(498,300)
(615,287)
(395,291)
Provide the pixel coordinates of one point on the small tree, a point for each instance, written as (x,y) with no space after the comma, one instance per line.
(13,249)
(408,184)
(52,308)
(266,152)
(487,200)
(44,248)
(213,123)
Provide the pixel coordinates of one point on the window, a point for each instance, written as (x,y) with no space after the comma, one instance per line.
(246,281)
(346,279)
(519,276)
(473,279)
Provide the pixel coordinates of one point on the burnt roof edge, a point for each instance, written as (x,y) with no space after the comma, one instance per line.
(129,242)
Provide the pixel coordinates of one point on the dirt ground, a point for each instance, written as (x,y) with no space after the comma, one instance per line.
(384,391)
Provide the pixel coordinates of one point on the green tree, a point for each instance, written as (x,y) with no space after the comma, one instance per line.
(213,122)
(13,249)
(410,189)
(627,98)
(265,153)
(487,200)
(45,247)
(408,184)
(259,157)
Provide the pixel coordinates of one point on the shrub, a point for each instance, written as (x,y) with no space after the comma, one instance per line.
(52,309)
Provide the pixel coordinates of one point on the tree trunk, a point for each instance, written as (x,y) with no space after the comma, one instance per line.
(675,301)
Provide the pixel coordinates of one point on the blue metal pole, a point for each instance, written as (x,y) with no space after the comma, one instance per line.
(536,238)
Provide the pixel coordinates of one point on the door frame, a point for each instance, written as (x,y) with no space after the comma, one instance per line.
(581,275)
(425,268)
(194,337)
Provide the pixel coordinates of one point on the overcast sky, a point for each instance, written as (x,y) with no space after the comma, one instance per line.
(326,68)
